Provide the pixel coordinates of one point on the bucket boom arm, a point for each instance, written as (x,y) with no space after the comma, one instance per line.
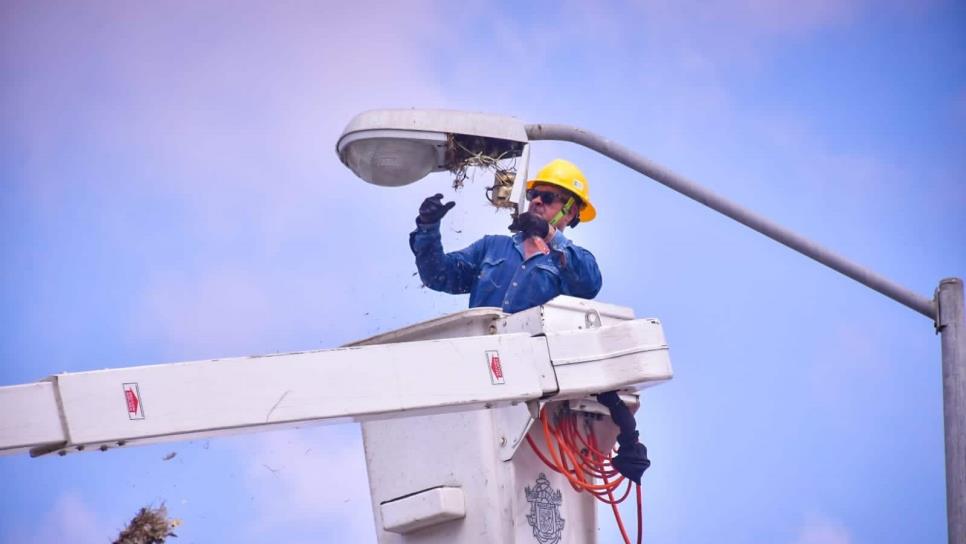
(480,358)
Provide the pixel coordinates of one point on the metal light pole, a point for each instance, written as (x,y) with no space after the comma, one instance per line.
(396,147)
(949,325)
(946,309)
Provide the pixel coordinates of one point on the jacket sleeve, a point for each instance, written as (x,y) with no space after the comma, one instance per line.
(578,268)
(454,272)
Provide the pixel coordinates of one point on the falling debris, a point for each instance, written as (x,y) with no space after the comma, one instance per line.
(149,526)
(169,456)
(465,152)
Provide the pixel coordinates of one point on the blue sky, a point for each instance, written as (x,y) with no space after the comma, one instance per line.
(171,192)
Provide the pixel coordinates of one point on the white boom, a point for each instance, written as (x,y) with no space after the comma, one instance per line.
(190,400)
(477,375)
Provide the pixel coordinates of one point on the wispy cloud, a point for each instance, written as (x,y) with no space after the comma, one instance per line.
(822,530)
(212,125)
(313,478)
(70,519)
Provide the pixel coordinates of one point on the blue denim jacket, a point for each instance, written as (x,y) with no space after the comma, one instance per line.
(493,272)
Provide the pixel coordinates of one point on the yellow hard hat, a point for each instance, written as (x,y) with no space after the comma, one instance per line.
(566,175)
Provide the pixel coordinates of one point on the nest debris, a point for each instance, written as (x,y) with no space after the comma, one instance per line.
(463,153)
(149,526)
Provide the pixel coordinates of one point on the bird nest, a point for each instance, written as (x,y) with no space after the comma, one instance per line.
(464,153)
(149,526)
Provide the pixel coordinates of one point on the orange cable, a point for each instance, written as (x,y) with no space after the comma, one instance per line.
(592,464)
(617,516)
(559,463)
(627,491)
(640,516)
(537,451)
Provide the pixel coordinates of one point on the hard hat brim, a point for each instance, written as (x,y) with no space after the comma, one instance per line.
(587,210)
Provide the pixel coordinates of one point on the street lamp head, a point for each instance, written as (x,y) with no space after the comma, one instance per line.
(397,147)
(392,158)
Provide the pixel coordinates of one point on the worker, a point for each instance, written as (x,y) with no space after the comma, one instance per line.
(528,269)
(521,271)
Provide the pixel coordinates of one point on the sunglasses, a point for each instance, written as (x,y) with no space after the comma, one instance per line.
(547,197)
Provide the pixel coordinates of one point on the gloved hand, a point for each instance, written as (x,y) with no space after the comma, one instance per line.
(619,411)
(432,209)
(631,459)
(530,224)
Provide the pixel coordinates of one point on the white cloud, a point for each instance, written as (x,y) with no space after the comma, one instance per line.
(197,313)
(242,96)
(311,477)
(222,118)
(70,519)
(822,530)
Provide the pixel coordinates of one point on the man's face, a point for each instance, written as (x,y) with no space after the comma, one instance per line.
(547,210)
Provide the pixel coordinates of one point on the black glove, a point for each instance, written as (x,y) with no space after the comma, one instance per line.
(433,209)
(619,412)
(530,224)
(631,459)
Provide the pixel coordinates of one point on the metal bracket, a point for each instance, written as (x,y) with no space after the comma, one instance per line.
(511,425)
(592,319)
(590,405)
(939,322)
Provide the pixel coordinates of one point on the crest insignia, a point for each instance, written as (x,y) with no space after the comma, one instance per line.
(544,516)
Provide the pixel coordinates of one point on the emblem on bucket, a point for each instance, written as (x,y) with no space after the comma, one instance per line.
(544,514)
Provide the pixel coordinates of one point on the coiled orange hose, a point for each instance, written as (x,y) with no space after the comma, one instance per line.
(580,460)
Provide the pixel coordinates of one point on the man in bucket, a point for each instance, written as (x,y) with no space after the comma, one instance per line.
(528,269)
(521,271)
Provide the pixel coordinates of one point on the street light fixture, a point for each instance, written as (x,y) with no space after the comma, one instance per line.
(392,148)
(393,157)
(397,147)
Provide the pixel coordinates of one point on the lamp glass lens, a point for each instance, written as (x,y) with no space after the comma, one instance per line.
(390,162)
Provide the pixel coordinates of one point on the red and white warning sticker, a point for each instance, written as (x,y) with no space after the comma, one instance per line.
(132,396)
(495,366)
